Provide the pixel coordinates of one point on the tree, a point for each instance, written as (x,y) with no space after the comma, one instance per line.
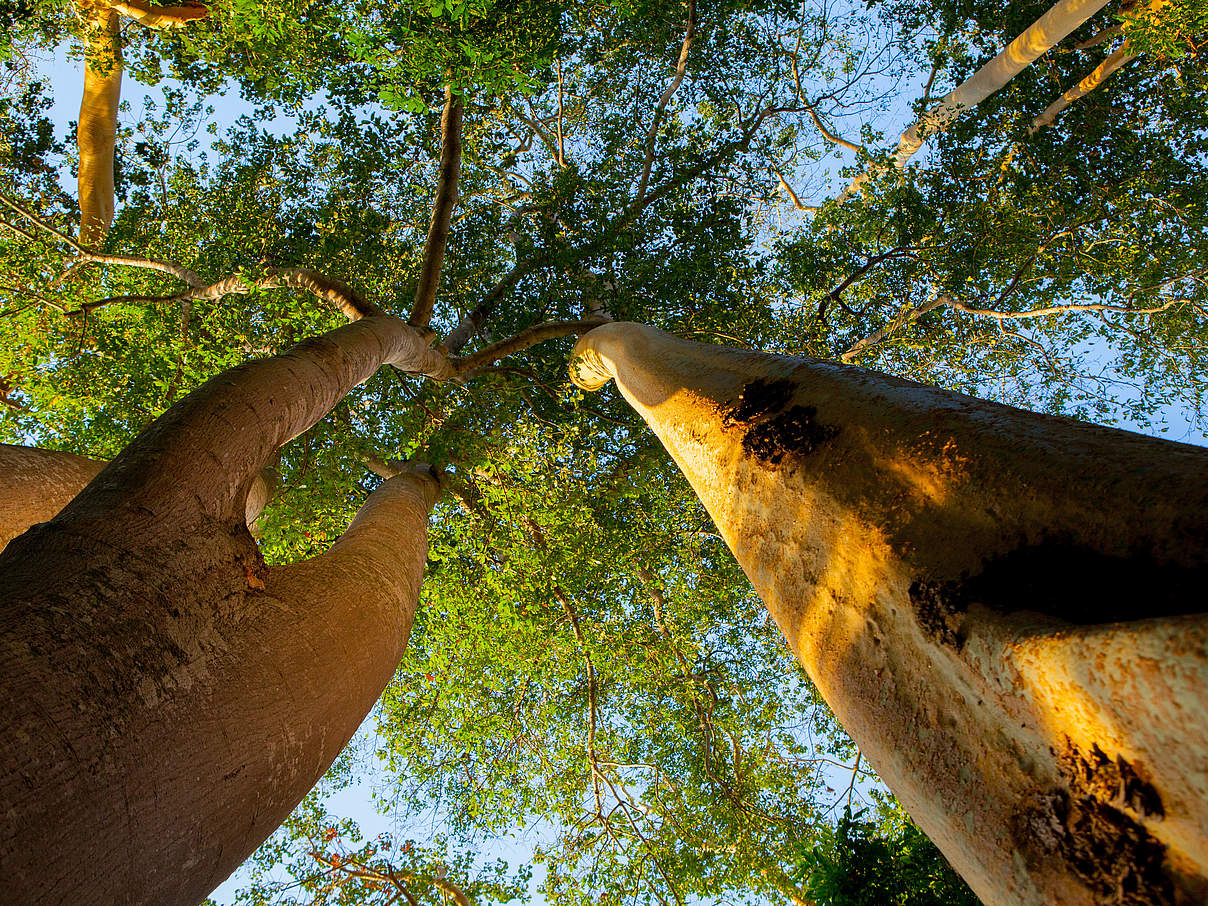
(195,656)
(1038,39)
(102,91)
(566,112)
(979,617)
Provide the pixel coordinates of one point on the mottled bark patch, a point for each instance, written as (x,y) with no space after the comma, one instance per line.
(772,431)
(1115,781)
(1112,853)
(933,605)
(1063,580)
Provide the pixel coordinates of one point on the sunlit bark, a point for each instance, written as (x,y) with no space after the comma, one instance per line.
(1003,609)
(1036,40)
(169,698)
(35,484)
(97,128)
(1100,74)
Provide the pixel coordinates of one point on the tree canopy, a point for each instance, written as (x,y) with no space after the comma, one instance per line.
(588,657)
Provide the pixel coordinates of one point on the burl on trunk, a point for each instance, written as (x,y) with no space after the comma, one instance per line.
(1005,610)
(167,697)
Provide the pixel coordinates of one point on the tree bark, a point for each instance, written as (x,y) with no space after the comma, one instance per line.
(96,133)
(442,211)
(1122,56)
(1003,609)
(168,697)
(97,130)
(35,484)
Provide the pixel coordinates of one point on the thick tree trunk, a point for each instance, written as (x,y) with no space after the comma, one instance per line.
(97,130)
(1004,609)
(35,484)
(168,697)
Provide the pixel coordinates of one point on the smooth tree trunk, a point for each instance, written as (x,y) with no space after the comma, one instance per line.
(35,484)
(1003,609)
(96,133)
(168,698)
(1034,42)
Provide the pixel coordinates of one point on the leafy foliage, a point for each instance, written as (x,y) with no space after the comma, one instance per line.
(860,864)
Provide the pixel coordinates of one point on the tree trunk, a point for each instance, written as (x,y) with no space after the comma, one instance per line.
(1036,40)
(168,697)
(35,484)
(1122,56)
(1003,609)
(97,130)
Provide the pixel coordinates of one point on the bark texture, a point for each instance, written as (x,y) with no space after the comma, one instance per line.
(97,128)
(168,697)
(1004,610)
(35,484)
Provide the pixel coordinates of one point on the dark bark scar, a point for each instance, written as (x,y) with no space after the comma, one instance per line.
(1113,854)
(771,431)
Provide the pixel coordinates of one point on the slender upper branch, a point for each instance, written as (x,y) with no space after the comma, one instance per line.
(1100,74)
(1057,310)
(788,190)
(831,136)
(347,300)
(471,323)
(883,333)
(442,210)
(681,66)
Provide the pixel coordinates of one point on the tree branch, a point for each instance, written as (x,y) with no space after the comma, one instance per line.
(442,210)
(1057,310)
(783,184)
(1100,74)
(88,256)
(346,300)
(681,66)
(530,336)
(159,17)
(878,336)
